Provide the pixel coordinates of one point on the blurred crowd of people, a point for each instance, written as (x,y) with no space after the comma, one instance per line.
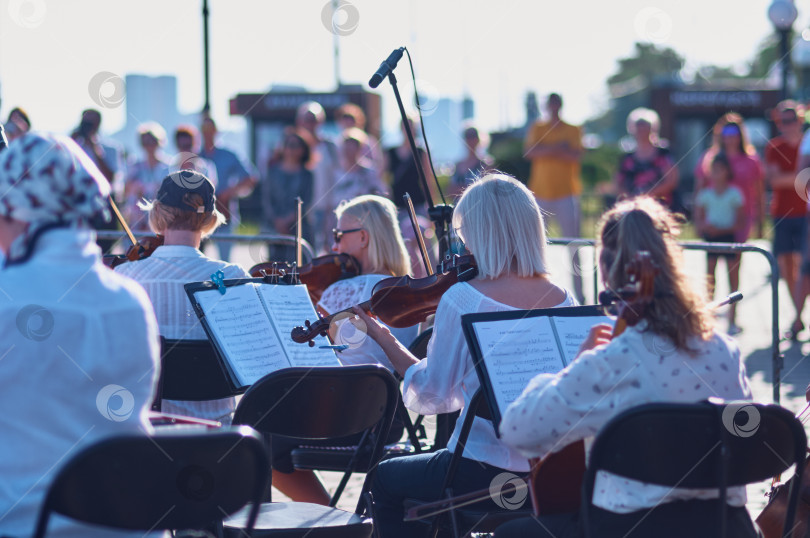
(306,164)
(728,203)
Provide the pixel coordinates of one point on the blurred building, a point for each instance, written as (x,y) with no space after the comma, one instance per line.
(155,99)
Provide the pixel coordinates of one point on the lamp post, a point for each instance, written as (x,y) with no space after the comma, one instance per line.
(206,60)
(782,14)
(801,61)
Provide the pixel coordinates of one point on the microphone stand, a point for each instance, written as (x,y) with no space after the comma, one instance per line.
(440,214)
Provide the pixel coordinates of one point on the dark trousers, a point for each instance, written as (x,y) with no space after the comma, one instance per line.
(421,477)
(695,519)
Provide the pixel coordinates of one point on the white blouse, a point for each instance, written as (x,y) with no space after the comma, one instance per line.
(362,349)
(163,275)
(79,347)
(446,380)
(636,368)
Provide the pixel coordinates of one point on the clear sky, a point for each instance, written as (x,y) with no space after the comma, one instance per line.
(51,50)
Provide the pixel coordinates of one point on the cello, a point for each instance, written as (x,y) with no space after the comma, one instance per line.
(771,520)
(555,481)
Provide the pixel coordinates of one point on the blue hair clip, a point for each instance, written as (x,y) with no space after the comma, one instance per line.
(218,279)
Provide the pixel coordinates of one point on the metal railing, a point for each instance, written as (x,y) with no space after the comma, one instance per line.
(777,359)
(275,239)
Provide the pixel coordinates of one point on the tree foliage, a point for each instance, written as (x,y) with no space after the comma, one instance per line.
(649,62)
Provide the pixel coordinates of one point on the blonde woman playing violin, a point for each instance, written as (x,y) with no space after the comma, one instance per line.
(499,221)
(367,229)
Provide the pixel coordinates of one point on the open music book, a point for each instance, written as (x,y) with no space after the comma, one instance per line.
(250,326)
(510,348)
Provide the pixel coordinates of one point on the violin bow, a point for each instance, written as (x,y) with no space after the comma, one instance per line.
(418,231)
(299,203)
(120,218)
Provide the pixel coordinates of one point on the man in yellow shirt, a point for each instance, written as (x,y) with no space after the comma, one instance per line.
(554,148)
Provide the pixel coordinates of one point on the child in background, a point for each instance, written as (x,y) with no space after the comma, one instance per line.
(719,211)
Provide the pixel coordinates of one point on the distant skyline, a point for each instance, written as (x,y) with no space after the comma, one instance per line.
(55,54)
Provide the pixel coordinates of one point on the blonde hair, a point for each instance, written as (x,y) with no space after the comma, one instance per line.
(378,217)
(500,222)
(643,224)
(163,217)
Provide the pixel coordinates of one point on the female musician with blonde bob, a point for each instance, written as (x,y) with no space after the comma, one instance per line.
(499,221)
(368,230)
(673,355)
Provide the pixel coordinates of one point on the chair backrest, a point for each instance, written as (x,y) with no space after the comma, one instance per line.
(419,345)
(183,480)
(702,445)
(320,403)
(689,437)
(192,371)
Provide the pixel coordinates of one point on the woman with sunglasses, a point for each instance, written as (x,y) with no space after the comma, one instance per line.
(731,138)
(367,228)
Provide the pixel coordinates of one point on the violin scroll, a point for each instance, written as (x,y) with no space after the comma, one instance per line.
(310,331)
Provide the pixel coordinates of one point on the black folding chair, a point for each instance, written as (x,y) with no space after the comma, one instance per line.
(464,520)
(346,460)
(708,445)
(190,370)
(168,481)
(319,403)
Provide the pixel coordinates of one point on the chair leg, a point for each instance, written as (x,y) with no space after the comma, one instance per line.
(349,469)
(339,490)
(42,522)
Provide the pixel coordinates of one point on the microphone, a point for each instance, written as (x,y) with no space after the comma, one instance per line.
(3,141)
(386,67)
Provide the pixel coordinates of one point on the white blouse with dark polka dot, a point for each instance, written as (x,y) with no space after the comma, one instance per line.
(635,368)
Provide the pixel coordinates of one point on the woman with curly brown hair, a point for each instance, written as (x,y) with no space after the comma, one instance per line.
(673,355)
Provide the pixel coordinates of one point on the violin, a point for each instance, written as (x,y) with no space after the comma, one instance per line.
(141,249)
(399,302)
(318,274)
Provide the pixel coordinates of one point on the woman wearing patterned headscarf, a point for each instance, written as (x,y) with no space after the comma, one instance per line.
(79,342)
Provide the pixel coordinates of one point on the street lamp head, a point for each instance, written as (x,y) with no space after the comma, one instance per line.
(782,14)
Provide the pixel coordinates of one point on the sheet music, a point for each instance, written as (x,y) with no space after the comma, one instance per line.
(573,330)
(246,336)
(514,351)
(288,307)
